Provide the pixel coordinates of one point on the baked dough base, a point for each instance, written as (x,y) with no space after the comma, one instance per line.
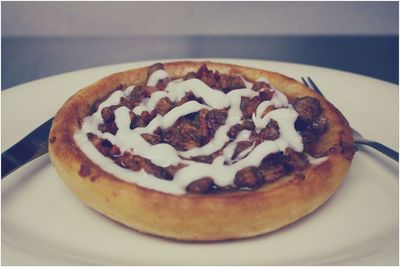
(213,217)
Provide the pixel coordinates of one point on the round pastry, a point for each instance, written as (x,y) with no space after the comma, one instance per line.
(201,151)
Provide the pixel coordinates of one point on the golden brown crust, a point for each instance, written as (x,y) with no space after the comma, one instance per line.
(198,217)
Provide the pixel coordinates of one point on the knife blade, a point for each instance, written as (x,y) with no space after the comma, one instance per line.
(34,145)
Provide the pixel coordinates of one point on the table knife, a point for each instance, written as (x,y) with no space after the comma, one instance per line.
(30,147)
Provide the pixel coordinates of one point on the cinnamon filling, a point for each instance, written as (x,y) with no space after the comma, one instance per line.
(207,133)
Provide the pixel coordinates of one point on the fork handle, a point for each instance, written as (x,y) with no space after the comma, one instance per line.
(381,148)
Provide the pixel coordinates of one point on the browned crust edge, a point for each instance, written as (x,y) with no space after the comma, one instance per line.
(197,217)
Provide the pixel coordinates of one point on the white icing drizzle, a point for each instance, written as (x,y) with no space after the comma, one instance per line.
(316,161)
(244,153)
(212,98)
(219,140)
(223,175)
(230,148)
(234,116)
(235,97)
(128,90)
(246,83)
(141,177)
(113,99)
(262,79)
(189,107)
(278,100)
(157,76)
(223,168)
(150,103)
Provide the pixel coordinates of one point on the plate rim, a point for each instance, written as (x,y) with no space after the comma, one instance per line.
(144,62)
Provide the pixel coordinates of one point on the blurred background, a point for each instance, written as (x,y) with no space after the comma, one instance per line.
(46,38)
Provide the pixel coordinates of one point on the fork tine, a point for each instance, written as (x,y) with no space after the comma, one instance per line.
(359,140)
(305,82)
(314,86)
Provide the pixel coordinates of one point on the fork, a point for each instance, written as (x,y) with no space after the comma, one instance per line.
(358,138)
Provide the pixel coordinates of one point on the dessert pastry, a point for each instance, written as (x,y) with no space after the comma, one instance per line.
(201,151)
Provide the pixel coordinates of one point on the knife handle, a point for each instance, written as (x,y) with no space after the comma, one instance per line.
(29,148)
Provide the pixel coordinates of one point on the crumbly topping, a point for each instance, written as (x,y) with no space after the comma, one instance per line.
(207,133)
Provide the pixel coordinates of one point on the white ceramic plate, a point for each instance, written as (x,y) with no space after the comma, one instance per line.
(43,223)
